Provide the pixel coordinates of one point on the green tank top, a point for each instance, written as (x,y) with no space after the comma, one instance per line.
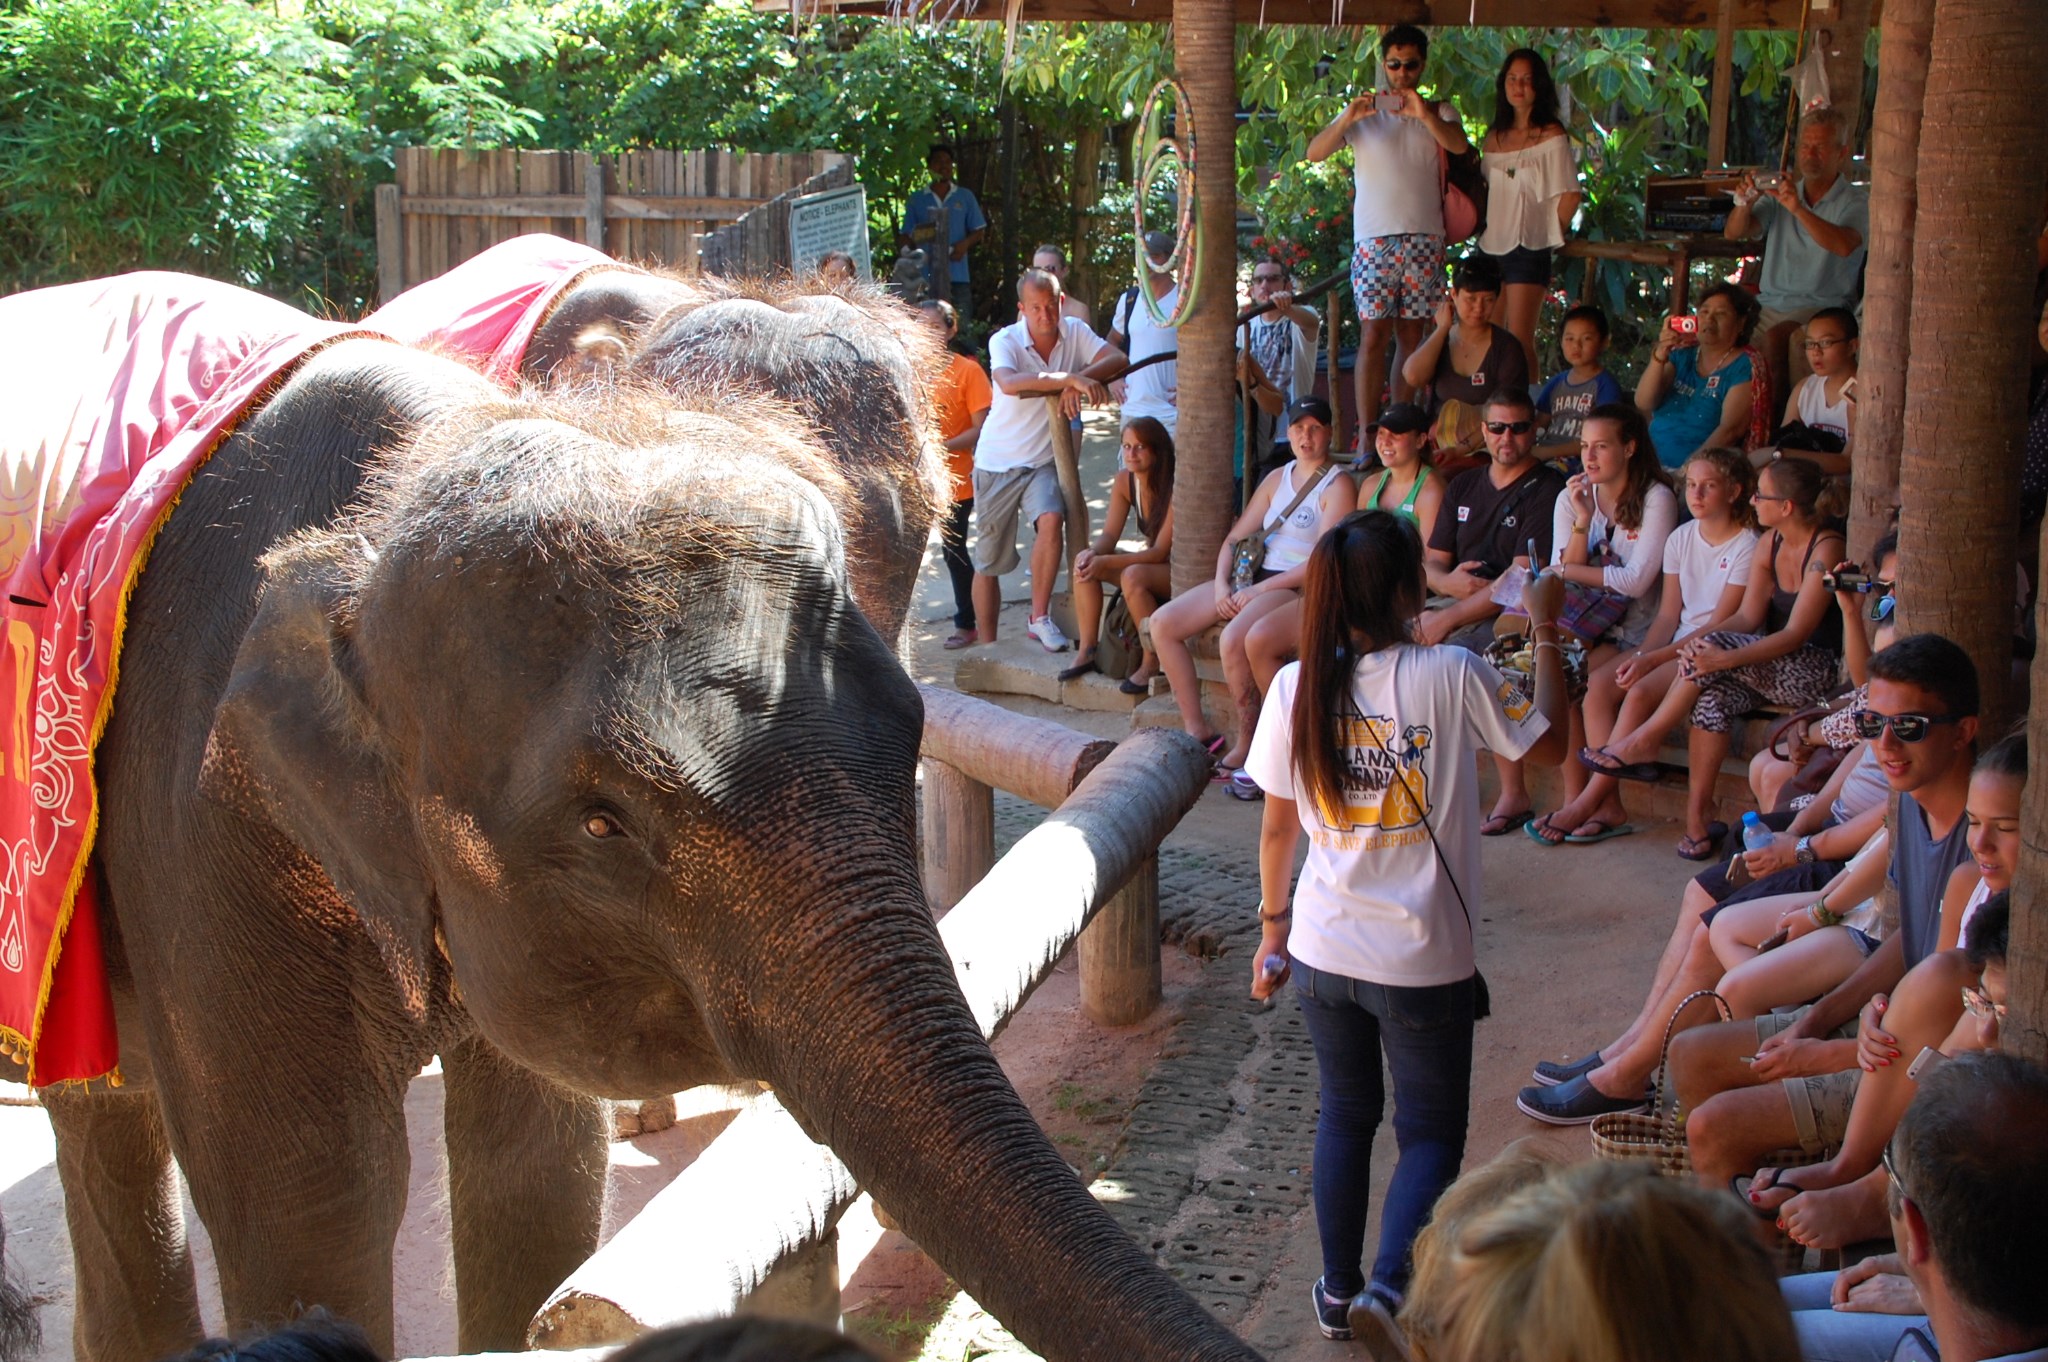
(1407,506)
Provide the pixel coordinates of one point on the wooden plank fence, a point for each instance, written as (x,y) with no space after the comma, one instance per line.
(448,204)
(758,243)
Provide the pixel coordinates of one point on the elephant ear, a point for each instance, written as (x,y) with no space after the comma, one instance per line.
(293,746)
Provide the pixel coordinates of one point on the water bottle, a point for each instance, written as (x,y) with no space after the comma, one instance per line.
(1755,836)
(1271,967)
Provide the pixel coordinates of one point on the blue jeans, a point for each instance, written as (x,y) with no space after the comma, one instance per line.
(1426,1035)
(1830,1335)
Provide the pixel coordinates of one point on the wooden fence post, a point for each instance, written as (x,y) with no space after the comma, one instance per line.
(593,203)
(390,244)
(959,833)
(1119,950)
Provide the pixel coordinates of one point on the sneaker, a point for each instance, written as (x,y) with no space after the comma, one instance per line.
(1549,1075)
(1574,1102)
(1048,633)
(1242,786)
(1332,1317)
(1372,1323)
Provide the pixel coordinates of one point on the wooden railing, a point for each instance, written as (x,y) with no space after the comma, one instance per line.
(448,204)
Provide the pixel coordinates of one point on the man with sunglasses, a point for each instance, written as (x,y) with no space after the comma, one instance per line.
(1397,142)
(1283,344)
(1786,1079)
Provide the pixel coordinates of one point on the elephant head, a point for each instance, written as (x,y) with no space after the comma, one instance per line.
(855,364)
(578,714)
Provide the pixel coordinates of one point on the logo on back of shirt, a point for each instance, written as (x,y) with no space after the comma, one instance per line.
(1384,785)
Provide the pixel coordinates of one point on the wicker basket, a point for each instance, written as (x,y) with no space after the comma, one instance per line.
(1656,1136)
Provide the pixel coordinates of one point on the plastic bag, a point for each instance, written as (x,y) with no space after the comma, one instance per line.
(1809,77)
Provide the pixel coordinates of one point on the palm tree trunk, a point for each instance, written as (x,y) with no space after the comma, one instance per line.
(1888,270)
(1204,38)
(1983,158)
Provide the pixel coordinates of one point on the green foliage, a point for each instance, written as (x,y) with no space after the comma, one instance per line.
(140,133)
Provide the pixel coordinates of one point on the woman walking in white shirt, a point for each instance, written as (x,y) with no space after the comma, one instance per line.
(1369,745)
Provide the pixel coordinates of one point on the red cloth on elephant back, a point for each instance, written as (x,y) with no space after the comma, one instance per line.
(484,311)
(118,389)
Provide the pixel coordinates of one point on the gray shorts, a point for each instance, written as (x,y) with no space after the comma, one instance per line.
(1770,318)
(997,499)
(1821,1104)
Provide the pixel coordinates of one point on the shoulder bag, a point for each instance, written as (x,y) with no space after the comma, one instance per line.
(1248,555)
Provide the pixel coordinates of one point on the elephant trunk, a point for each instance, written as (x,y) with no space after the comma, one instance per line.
(908,1093)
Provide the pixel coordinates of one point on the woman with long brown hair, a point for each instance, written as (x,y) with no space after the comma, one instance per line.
(1369,744)
(1143,487)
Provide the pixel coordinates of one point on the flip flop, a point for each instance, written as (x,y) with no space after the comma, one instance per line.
(1744,1185)
(960,639)
(1606,830)
(1216,745)
(1536,827)
(1703,848)
(1649,772)
(1508,823)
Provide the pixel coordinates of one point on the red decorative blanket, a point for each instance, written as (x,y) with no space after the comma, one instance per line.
(484,311)
(118,389)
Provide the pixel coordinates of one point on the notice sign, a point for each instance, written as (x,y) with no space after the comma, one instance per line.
(836,220)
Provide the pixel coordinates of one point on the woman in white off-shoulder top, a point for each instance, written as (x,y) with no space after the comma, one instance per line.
(1532,189)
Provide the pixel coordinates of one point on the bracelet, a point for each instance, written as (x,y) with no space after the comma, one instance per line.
(1822,915)
(1542,643)
(1280,916)
(1582,529)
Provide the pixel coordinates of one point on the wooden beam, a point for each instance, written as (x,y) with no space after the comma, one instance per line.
(390,244)
(1749,14)
(1724,86)
(645,207)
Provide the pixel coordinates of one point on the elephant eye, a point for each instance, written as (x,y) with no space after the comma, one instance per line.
(599,824)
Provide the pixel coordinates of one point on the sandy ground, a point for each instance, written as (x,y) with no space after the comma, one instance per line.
(1566,966)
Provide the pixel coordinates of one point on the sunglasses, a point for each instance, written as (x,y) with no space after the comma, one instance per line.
(1509,427)
(1891,1171)
(1881,609)
(1979,1005)
(1415,65)
(1905,727)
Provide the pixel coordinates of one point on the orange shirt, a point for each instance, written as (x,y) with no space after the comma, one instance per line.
(961,393)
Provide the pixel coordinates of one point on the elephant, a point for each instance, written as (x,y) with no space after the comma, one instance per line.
(541,732)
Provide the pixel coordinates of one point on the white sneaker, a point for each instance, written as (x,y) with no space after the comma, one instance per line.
(1045,631)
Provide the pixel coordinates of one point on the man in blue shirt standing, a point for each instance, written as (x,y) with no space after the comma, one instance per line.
(945,222)
(1814,230)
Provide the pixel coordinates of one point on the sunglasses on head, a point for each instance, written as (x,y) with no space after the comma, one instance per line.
(1509,427)
(1905,727)
(1414,64)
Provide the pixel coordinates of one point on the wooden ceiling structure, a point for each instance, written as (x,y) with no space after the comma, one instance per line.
(1752,14)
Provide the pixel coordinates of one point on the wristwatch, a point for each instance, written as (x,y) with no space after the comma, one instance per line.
(1803,852)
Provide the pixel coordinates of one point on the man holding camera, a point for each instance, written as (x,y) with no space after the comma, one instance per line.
(1814,228)
(1397,143)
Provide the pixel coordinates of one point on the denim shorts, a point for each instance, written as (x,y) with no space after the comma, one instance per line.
(1525,266)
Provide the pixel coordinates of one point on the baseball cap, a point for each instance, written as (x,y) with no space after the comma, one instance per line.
(1158,245)
(1310,406)
(1403,418)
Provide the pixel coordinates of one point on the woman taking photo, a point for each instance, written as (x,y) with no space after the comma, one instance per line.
(1465,360)
(1370,747)
(1698,387)
(1608,533)
(1143,485)
(1784,647)
(1292,507)
(1532,190)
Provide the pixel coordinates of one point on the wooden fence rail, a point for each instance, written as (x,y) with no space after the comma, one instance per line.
(448,204)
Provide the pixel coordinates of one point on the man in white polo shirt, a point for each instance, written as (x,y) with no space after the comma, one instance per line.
(1042,354)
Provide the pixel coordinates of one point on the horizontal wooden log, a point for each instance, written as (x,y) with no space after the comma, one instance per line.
(1662,252)
(763,1192)
(1034,759)
(645,207)
(1750,14)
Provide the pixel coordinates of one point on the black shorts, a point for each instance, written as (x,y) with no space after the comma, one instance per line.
(1524,266)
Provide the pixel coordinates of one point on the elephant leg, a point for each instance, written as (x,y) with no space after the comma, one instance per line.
(137,1298)
(526,1180)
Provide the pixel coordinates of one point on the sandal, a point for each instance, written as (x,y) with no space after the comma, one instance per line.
(1602,831)
(1748,1187)
(960,638)
(1706,848)
(1604,762)
(1079,669)
(1543,834)
(1501,824)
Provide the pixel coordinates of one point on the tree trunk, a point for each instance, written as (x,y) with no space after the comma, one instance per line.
(1983,156)
(1888,269)
(1204,39)
(1081,196)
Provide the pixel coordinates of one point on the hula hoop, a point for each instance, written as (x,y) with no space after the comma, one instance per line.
(1152,151)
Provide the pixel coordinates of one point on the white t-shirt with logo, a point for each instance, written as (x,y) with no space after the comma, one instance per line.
(1372,902)
(1397,185)
(1153,391)
(1704,571)
(1017,432)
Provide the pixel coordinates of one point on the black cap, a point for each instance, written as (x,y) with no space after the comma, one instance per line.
(1310,406)
(1158,245)
(1403,418)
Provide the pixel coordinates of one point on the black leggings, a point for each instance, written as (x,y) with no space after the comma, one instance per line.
(953,547)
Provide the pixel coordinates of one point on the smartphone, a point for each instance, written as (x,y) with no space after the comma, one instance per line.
(1686,326)
(1927,1061)
(1388,103)
(1738,871)
(1849,389)
(1770,180)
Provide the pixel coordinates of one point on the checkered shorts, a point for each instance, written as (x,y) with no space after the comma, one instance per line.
(1399,276)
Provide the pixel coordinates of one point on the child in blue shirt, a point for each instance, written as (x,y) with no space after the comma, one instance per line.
(1563,401)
